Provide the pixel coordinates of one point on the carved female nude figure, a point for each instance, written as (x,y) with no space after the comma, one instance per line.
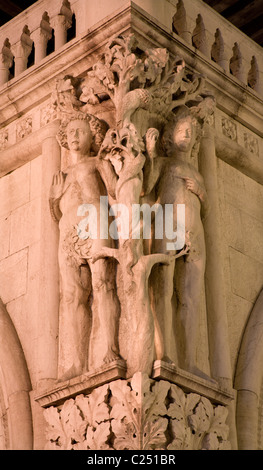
(178,182)
(82,184)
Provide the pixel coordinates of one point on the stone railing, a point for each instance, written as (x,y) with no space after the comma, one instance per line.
(48,25)
(202,27)
(31,36)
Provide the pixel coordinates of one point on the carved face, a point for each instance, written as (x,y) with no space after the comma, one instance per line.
(79,136)
(183,135)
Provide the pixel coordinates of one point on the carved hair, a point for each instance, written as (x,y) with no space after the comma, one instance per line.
(97,126)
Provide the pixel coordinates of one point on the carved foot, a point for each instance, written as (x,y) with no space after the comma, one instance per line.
(110,356)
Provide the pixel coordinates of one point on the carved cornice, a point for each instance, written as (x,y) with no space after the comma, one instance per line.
(34,85)
(192,383)
(26,149)
(64,390)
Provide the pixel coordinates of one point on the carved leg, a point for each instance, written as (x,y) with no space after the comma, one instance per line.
(105,313)
(189,279)
(162,289)
(75,324)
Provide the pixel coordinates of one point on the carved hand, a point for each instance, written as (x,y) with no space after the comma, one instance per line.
(57,186)
(151,138)
(193,186)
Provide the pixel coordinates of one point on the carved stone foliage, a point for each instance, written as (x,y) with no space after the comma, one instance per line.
(47,114)
(80,424)
(139,414)
(229,129)
(3,139)
(251,143)
(24,128)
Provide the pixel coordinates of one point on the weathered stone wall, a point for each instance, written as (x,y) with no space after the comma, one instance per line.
(19,265)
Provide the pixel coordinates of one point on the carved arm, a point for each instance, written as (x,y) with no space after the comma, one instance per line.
(197,187)
(55,194)
(108,175)
(153,164)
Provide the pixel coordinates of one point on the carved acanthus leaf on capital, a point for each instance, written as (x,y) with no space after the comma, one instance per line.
(139,414)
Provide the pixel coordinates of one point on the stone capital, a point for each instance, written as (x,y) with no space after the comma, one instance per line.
(22,49)
(41,35)
(61,22)
(6,58)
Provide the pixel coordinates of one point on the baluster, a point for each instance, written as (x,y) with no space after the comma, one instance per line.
(22,49)
(199,38)
(6,62)
(41,36)
(61,23)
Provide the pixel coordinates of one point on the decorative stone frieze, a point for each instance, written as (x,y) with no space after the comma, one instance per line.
(3,139)
(24,128)
(251,143)
(47,114)
(229,128)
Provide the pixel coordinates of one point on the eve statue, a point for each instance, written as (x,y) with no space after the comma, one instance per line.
(177,181)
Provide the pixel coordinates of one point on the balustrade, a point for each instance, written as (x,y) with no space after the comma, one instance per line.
(48,25)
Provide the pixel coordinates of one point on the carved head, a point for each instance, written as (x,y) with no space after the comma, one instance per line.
(180,132)
(82,132)
(79,136)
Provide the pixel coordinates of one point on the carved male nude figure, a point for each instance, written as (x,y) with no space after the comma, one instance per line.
(79,277)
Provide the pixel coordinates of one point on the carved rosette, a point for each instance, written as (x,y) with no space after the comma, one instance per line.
(3,139)
(24,128)
(251,144)
(229,129)
(137,414)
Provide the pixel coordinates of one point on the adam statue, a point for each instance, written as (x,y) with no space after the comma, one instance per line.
(88,303)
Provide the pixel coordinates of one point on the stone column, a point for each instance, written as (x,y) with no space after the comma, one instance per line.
(6,62)
(61,24)
(41,37)
(22,50)
(214,278)
(49,277)
(181,23)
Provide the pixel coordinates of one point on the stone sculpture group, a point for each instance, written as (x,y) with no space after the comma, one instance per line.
(117,292)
